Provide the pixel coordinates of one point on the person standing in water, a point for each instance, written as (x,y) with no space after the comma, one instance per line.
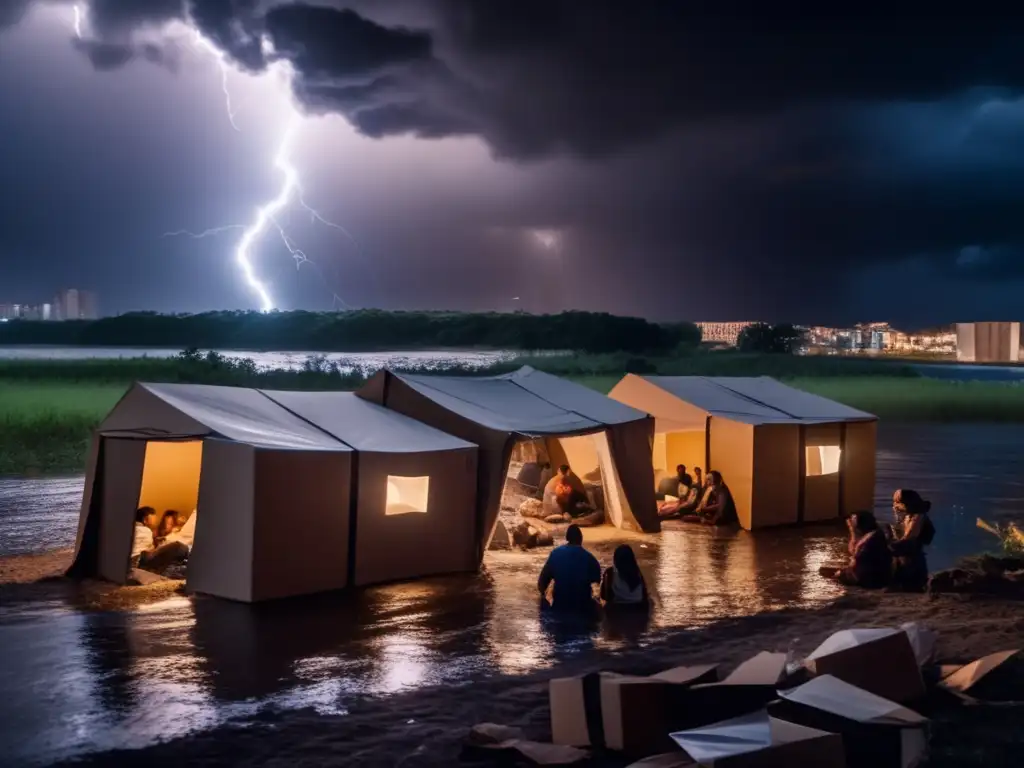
(573,570)
(623,584)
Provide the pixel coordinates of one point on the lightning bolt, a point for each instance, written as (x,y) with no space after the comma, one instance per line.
(266,215)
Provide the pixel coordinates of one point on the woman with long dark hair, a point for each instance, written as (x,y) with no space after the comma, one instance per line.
(910,566)
(622,585)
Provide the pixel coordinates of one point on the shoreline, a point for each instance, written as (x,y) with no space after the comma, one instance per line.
(428,726)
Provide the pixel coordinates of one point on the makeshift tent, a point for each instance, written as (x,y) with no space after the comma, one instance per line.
(495,412)
(787,456)
(296,492)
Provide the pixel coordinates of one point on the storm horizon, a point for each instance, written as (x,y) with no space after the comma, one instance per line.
(703,165)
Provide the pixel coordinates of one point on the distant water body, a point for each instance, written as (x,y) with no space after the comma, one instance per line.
(287,360)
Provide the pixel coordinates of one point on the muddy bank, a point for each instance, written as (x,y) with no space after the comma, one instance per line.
(427,727)
(40,578)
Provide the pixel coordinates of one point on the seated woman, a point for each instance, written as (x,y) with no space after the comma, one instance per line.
(870,563)
(910,570)
(622,585)
(685,504)
(716,506)
(167,525)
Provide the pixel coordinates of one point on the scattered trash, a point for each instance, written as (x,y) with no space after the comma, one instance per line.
(960,681)
(622,712)
(760,740)
(877,732)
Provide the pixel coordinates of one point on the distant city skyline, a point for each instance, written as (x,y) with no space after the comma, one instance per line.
(66,304)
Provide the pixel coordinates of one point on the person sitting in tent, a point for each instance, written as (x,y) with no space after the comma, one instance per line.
(684,504)
(717,506)
(910,570)
(166,527)
(174,547)
(145,522)
(698,482)
(573,569)
(568,492)
(870,563)
(623,584)
(675,485)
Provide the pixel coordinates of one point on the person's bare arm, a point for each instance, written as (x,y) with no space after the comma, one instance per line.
(545,578)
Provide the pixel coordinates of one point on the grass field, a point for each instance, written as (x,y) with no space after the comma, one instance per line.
(49,408)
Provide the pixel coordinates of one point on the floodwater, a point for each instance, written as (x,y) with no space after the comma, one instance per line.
(73,682)
(363,361)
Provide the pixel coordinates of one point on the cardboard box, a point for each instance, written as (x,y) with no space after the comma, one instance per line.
(880,661)
(622,712)
(761,741)
(635,715)
(960,680)
(877,733)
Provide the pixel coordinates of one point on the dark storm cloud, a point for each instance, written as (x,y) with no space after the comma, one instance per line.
(790,149)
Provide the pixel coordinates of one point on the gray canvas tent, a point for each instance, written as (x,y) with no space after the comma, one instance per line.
(497,411)
(787,456)
(295,492)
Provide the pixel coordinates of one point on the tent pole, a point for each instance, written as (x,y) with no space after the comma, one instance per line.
(801,496)
(842,469)
(353,517)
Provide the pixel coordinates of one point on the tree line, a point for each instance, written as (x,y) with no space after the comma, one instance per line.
(362,330)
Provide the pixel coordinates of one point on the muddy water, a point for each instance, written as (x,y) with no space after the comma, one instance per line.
(73,682)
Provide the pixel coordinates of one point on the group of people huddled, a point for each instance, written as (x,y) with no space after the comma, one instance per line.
(574,571)
(890,556)
(161,540)
(689,498)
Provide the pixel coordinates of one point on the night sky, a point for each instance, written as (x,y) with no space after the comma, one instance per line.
(726,162)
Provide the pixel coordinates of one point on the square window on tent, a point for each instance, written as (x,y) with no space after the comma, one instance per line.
(823,459)
(407,495)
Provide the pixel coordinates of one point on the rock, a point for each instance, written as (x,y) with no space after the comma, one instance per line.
(523,536)
(532,508)
(500,540)
(545,539)
(140,578)
(590,519)
(556,518)
(493,733)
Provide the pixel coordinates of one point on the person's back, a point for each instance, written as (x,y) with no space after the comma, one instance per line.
(623,584)
(573,569)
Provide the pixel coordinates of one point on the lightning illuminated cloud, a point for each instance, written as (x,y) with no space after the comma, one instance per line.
(291,189)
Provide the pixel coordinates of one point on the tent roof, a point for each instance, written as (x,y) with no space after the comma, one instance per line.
(239,414)
(366,426)
(756,400)
(527,402)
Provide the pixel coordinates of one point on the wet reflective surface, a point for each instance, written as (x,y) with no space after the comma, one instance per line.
(72,682)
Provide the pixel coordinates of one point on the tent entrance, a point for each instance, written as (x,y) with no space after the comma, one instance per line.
(688,447)
(529,489)
(170,485)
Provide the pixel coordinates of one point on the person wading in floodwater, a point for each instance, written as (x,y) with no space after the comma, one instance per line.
(573,570)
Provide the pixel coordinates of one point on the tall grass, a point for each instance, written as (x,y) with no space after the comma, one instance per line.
(48,409)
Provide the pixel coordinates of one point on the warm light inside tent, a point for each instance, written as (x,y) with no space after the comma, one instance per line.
(170,476)
(823,459)
(407,494)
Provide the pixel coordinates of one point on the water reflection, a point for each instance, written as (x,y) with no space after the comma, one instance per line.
(74,682)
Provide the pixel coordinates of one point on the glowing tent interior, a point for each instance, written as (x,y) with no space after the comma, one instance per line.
(496,412)
(295,493)
(787,456)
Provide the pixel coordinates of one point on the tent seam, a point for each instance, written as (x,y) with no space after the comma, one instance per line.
(303,418)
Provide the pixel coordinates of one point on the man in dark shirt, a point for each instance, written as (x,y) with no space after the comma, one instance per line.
(573,570)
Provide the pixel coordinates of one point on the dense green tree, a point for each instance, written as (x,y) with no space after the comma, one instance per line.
(361,330)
